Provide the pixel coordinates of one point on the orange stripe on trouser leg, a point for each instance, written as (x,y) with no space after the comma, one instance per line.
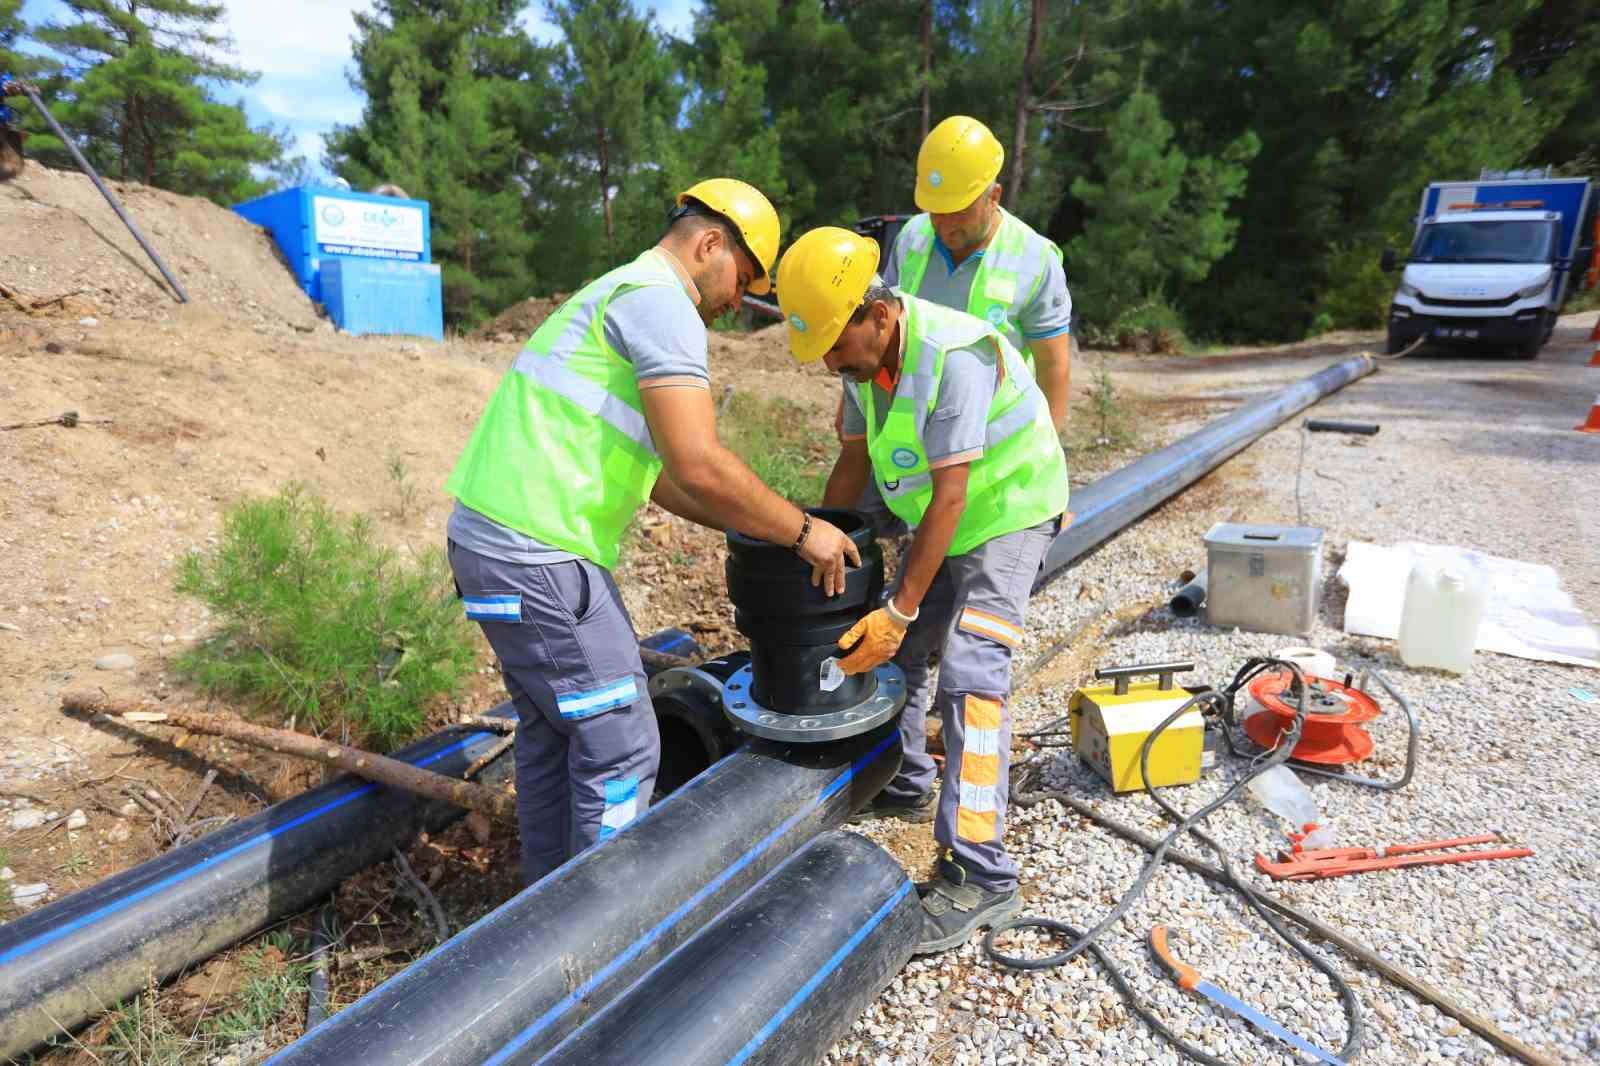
(980,769)
(981,713)
(975,826)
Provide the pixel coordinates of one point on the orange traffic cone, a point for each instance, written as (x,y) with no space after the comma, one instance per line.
(1592,423)
(1594,335)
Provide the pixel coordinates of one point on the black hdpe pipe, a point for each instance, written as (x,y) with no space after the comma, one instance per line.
(1187,601)
(517,982)
(773,981)
(1103,508)
(64,963)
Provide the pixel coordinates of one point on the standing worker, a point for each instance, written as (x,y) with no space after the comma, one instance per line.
(966,251)
(942,415)
(607,406)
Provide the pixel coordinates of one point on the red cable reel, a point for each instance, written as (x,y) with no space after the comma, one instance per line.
(1332,734)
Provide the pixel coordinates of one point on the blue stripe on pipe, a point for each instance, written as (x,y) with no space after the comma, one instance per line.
(633,950)
(50,936)
(817,978)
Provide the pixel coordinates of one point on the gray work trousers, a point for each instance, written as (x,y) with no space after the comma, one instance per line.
(587,748)
(973,614)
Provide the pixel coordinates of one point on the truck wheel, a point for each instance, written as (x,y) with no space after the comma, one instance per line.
(1529,349)
(1393,344)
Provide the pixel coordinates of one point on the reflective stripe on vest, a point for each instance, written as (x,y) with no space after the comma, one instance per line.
(563,452)
(1020,479)
(1009,276)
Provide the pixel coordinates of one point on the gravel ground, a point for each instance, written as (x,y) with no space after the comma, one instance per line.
(1474,452)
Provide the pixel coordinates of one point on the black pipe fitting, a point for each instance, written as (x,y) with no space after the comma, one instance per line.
(793,627)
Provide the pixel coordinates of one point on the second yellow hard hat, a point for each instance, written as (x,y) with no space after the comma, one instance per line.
(753,214)
(821,282)
(957,163)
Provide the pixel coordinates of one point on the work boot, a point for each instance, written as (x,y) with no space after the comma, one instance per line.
(952,909)
(921,809)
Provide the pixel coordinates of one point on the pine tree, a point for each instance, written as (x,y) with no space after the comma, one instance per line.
(140,99)
(619,82)
(1156,217)
(450,90)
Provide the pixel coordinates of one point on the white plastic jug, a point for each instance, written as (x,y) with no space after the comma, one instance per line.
(1440,619)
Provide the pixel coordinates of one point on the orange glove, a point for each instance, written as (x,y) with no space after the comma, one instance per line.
(880,634)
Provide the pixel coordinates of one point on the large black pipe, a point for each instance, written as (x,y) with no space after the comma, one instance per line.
(519,980)
(1102,508)
(773,981)
(64,963)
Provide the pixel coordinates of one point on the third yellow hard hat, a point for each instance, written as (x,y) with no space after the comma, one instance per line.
(821,281)
(957,163)
(752,213)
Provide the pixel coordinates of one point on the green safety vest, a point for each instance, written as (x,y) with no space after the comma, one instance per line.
(563,452)
(1020,479)
(1012,269)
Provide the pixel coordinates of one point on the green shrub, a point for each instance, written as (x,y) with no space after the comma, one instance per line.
(1357,293)
(321,621)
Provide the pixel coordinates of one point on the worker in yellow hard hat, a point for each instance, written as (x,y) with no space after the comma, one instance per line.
(940,414)
(608,406)
(967,252)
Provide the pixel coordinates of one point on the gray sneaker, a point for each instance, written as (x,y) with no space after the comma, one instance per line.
(953,910)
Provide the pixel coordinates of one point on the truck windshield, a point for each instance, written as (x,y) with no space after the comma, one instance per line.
(1509,241)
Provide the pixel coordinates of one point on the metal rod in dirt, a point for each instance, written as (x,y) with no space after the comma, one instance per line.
(1103,508)
(83,164)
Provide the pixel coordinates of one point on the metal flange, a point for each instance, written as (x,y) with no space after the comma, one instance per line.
(887,699)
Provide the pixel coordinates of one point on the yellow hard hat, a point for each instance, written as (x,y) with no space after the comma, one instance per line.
(821,281)
(957,163)
(752,216)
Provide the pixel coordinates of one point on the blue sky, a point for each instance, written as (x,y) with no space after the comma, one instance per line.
(301,48)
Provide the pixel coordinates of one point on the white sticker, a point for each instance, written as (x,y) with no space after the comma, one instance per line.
(829,676)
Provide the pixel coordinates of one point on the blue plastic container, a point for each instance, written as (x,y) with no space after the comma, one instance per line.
(380,296)
(314,226)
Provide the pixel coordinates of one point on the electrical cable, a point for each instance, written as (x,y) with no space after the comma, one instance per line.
(1220,704)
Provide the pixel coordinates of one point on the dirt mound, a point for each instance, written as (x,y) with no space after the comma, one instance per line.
(66,254)
(517,322)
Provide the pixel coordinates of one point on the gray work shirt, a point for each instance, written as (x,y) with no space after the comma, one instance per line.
(1048,314)
(655,328)
(955,431)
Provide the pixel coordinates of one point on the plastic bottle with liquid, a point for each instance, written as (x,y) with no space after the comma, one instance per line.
(1439,620)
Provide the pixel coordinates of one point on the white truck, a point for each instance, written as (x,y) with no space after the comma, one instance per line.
(1494,260)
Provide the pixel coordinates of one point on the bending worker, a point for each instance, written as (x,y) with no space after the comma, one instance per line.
(941,414)
(607,406)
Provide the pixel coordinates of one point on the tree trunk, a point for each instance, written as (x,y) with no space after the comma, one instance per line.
(603,157)
(373,767)
(1019,137)
(927,63)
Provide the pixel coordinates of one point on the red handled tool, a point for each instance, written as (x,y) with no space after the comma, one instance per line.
(1314,864)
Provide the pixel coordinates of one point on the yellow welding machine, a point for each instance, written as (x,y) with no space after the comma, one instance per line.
(1110,723)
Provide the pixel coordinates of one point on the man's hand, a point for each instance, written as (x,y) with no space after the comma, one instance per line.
(880,634)
(1052,359)
(827,548)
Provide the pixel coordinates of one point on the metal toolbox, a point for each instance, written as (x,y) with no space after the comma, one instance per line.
(1265,578)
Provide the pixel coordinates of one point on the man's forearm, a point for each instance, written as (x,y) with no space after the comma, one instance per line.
(845,484)
(935,534)
(723,487)
(669,495)
(1052,362)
